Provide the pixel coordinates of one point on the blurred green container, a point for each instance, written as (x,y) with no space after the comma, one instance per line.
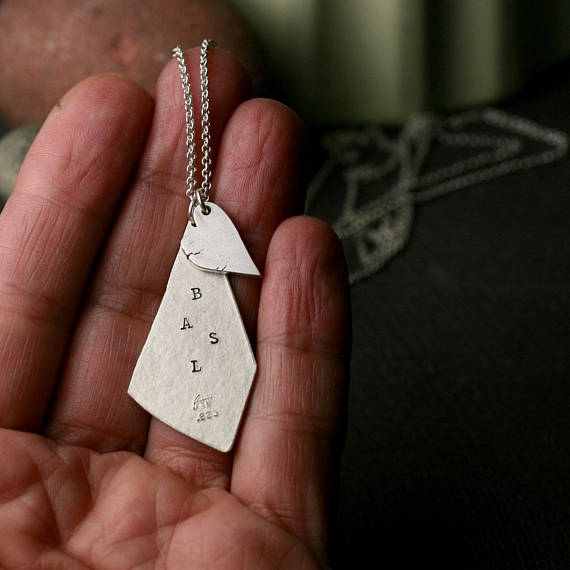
(340,61)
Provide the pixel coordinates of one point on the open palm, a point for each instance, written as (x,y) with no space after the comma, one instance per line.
(87,240)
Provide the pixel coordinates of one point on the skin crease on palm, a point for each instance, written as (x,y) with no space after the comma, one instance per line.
(87,240)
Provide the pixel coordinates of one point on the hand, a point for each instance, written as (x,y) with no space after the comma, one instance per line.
(87,478)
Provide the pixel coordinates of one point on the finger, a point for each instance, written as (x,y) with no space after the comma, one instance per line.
(91,406)
(52,227)
(287,453)
(256,183)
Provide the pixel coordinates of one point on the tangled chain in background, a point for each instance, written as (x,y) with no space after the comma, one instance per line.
(400,171)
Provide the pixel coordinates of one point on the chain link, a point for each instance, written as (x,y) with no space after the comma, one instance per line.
(178,53)
(200,196)
(206,146)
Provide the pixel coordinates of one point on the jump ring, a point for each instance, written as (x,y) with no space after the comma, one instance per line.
(204,208)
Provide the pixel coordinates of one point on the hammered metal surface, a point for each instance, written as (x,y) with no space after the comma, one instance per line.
(197,366)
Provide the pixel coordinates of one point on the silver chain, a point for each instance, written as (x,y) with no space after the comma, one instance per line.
(380,228)
(198,196)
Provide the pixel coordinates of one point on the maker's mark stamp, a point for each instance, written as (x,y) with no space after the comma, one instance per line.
(203,406)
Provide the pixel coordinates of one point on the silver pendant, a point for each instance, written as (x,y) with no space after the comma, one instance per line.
(214,244)
(196,368)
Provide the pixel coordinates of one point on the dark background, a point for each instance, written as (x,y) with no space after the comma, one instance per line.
(457,449)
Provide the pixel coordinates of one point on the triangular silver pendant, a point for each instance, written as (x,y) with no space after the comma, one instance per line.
(197,366)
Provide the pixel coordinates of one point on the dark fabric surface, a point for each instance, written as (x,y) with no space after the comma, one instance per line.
(457,449)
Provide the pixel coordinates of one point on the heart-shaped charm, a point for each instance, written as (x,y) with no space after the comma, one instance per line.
(214,244)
